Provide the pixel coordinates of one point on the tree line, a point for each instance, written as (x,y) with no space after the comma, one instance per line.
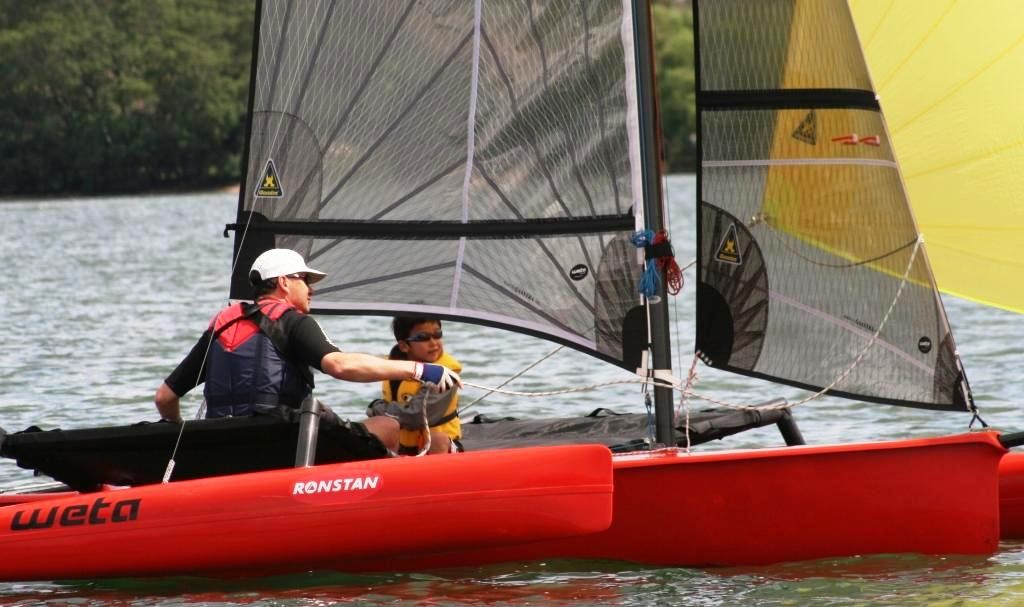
(118,96)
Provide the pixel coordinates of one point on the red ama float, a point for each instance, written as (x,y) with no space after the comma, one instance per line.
(307,518)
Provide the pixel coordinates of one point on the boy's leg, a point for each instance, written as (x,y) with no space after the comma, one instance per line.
(439,443)
(385,428)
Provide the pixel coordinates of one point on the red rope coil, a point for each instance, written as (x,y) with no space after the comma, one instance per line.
(668,266)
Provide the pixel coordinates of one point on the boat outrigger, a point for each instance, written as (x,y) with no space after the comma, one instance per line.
(506,158)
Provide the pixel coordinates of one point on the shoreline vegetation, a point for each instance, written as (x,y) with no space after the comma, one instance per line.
(229,188)
(160,106)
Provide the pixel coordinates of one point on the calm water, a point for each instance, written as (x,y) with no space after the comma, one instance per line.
(104,296)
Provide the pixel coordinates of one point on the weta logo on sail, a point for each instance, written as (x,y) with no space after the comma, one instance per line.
(807,131)
(578,272)
(100,512)
(924,344)
(270,183)
(729,249)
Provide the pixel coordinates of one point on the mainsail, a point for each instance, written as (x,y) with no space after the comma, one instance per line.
(469,160)
(805,236)
(948,75)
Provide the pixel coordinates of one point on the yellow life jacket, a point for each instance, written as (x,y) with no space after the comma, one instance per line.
(452,427)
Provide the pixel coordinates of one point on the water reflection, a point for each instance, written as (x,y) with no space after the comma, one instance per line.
(530,584)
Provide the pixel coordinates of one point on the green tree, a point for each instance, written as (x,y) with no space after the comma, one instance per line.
(674,66)
(121,95)
(100,96)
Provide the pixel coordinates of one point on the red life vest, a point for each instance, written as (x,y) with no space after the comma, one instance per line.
(247,365)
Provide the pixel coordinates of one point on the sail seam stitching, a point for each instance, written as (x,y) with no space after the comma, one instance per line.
(470,149)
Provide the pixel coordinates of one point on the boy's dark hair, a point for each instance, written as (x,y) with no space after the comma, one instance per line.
(401,326)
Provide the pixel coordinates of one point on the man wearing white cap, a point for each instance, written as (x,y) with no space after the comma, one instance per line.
(258,355)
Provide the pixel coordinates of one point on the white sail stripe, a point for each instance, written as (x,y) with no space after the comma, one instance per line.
(474,91)
(798,161)
(852,328)
(470,148)
(511,321)
(633,121)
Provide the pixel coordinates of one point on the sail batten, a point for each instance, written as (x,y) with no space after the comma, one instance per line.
(443,229)
(789,99)
(811,273)
(474,159)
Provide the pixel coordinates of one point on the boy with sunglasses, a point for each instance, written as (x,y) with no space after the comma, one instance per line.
(419,340)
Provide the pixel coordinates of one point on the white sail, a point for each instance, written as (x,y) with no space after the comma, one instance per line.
(469,160)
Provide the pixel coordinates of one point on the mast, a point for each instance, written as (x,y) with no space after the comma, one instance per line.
(654,215)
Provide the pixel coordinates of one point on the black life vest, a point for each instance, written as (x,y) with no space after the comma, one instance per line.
(247,367)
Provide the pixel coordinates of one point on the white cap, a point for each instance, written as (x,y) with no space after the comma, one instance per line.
(281,262)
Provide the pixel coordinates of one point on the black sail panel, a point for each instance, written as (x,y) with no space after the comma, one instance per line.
(472,160)
(806,237)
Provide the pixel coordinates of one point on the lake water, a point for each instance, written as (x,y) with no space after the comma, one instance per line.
(104,296)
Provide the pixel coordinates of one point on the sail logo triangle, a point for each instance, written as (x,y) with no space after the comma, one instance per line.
(807,130)
(729,250)
(270,183)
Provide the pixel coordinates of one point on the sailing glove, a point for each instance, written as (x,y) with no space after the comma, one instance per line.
(442,377)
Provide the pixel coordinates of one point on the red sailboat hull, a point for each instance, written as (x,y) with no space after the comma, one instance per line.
(302,518)
(930,496)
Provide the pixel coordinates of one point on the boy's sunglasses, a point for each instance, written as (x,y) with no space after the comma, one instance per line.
(417,337)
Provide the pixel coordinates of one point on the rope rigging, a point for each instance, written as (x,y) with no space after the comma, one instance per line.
(660,264)
(666,265)
(685,387)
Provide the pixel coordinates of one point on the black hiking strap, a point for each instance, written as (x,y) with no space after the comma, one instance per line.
(408,450)
(257,363)
(445,419)
(1013,439)
(602,412)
